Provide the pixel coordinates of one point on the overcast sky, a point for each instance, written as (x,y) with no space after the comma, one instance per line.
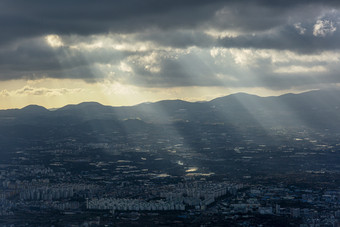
(125,52)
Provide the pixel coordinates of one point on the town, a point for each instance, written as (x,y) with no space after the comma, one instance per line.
(246,183)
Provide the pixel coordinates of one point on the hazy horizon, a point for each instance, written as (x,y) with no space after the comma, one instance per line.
(155,101)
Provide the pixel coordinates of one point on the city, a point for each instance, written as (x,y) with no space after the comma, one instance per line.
(155,177)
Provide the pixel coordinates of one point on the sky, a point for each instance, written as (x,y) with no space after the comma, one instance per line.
(54,53)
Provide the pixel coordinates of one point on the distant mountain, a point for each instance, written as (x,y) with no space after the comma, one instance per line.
(82,106)
(28,110)
(29,113)
(314,109)
(85,111)
(34,109)
(311,109)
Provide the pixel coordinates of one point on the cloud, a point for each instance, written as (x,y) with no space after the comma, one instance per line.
(40,91)
(323,28)
(286,38)
(23,19)
(300,69)
(171,43)
(299,28)
(279,69)
(37,58)
(54,40)
(4,93)
(37,18)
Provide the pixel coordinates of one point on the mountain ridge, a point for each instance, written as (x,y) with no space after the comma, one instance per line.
(319,108)
(95,103)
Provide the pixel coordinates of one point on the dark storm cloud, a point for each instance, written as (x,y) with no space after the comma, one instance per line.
(167,24)
(185,71)
(287,38)
(175,73)
(34,58)
(22,18)
(19,19)
(178,39)
(199,68)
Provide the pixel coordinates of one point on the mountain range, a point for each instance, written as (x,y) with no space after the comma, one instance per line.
(314,109)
